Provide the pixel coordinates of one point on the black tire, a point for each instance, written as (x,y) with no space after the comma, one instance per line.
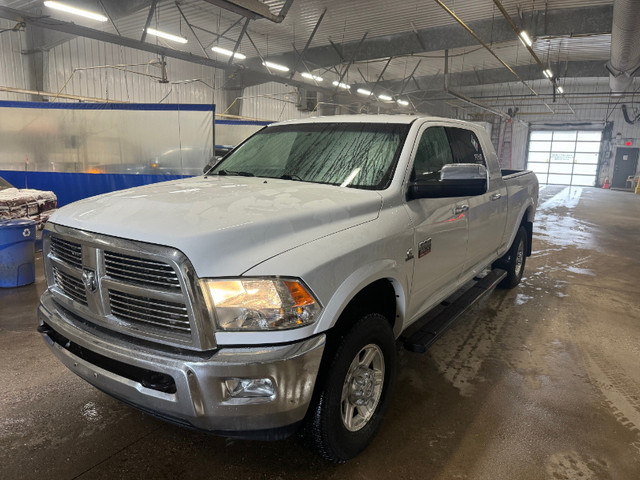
(326,431)
(514,260)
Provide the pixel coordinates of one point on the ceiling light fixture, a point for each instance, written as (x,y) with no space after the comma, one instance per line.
(165,35)
(276,66)
(404,103)
(76,11)
(362,91)
(548,73)
(386,98)
(311,77)
(524,38)
(228,53)
(341,85)
(560,89)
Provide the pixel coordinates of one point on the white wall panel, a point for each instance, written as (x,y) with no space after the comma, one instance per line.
(11,68)
(271,101)
(131,82)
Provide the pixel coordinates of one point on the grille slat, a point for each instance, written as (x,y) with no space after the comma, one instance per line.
(146,272)
(68,252)
(148,306)
(115,264)
(143,310)
(70,286)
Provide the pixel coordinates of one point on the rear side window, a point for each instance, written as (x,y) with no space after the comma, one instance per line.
(465,146)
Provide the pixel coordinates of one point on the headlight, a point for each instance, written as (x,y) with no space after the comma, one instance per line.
(261,304)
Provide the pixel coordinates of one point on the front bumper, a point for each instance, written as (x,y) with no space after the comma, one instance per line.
(115,363)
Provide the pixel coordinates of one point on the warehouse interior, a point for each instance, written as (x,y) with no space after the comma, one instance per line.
(537,382)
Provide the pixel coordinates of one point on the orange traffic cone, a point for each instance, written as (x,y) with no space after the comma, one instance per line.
(606,183)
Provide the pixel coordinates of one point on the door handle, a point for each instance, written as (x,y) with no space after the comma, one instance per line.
(496,196)
(460,209)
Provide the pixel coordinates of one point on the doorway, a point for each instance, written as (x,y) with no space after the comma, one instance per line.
(625,166)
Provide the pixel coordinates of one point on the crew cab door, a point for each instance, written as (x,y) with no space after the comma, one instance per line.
(440,225)
(487,213)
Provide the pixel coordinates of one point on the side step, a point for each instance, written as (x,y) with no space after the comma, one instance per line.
(420,341)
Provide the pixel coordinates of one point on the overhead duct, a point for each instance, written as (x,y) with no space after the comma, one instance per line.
(625,38)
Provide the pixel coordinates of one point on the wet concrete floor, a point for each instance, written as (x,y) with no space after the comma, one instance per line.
(539,382)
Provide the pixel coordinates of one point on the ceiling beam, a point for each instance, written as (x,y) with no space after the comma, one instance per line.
(575,21)
(259,75)
(426,86)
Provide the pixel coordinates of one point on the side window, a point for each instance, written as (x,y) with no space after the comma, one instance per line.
(465,146)
(433,152)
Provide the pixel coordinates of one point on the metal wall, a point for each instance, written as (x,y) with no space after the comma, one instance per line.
(271,101)
(11,68)
(137,81)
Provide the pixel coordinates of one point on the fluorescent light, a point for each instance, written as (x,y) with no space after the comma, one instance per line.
(362,91)
(311,77)
(560,89)
(76,11)
(548,73)
(341,85)
(165,35)
(386,98)
(524,38)
(228,53)
(404,103)
(276,66)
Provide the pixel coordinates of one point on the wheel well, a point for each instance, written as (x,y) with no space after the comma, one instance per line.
(377,297)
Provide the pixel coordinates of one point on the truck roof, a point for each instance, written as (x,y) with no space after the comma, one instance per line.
(362,118)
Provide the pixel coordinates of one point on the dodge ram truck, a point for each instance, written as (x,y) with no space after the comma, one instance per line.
(266,296)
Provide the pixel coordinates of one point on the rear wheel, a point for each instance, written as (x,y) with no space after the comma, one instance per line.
(514,260)
(354,397)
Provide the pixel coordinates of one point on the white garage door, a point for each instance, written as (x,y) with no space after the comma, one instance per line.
(564,157)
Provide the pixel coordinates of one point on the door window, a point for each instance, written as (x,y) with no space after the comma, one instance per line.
(433,152)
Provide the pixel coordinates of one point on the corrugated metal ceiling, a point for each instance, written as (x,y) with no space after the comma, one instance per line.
(348,21)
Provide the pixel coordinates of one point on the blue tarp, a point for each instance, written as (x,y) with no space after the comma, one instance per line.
(70,187)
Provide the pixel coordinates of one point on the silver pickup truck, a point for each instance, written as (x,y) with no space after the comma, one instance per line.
(266,296)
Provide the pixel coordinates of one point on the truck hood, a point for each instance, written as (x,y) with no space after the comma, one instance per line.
(224,225)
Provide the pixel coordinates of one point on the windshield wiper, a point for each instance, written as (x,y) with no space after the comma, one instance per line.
(239,174)
(288,176)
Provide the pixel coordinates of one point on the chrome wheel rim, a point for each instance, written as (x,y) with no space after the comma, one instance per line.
(520,258)
(362,388)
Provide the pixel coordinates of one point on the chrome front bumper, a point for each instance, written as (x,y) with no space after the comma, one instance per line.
(200,398)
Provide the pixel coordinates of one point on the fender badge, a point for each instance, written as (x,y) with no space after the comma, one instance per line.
(424,248)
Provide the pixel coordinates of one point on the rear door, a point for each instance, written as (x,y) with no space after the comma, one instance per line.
(487,213)
(440,225)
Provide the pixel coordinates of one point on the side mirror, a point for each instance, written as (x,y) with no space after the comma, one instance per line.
(456,180)
(213,161)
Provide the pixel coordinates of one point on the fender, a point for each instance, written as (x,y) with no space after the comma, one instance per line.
(386,269)
(521,215)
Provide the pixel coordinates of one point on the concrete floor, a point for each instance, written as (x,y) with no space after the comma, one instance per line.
(539,382)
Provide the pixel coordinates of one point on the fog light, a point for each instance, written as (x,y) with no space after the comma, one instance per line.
(250,387)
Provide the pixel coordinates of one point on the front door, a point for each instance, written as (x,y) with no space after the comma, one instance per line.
(440,226)
(625,166)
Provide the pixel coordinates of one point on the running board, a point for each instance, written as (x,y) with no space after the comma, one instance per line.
(420,341)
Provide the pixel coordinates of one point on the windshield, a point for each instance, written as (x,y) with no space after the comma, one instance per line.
(4,184)
(358,155)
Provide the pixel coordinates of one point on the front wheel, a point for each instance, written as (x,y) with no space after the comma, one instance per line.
(352,401)
(514,260)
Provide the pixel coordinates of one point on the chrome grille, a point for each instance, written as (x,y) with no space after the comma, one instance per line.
(70,286)
(138,289)
(69,252)
(141,271)
(153,311)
